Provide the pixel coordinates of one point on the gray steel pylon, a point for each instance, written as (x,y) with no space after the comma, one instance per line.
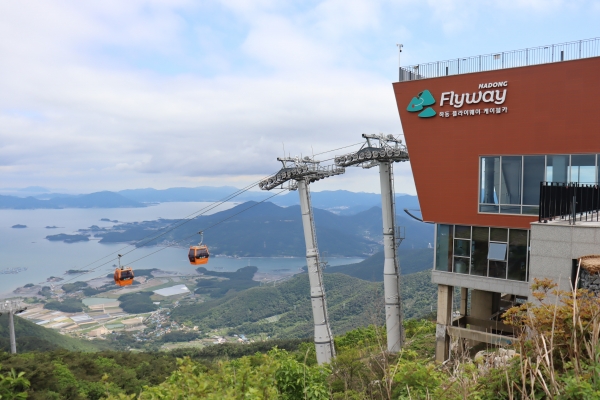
(383,151)
(300,173)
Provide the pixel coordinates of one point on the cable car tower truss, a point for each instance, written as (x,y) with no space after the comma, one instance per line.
(384,150)
(12,307)
(299,173)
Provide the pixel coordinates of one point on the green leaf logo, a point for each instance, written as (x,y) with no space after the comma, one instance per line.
(420,102)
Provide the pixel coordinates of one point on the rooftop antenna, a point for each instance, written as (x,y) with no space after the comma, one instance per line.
(400,46)
(299,173)
(382,151)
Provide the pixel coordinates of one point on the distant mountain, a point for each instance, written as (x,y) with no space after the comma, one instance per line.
(265,230)
(93,200)
(371,269)
(344,202)
(32,337)
(201,193)
(341,202)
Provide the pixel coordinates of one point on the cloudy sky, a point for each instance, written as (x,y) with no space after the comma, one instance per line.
(109,95)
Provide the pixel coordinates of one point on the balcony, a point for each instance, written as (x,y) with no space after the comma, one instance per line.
(569,203)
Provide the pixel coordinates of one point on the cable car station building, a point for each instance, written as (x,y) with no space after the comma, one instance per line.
(505,153)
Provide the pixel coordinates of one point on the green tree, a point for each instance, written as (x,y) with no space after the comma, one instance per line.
(13,385)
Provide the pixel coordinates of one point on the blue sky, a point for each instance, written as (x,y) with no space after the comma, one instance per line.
(114,95)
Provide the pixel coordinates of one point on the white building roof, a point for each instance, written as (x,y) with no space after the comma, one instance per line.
(173,290)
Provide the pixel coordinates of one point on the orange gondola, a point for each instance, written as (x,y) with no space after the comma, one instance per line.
(199,254)
(123,275)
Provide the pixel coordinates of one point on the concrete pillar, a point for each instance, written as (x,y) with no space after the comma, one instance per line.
(444,319)
(481,305)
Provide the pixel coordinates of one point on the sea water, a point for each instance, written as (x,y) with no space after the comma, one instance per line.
(27,247)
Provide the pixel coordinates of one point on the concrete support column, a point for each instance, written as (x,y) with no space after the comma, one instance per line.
(444,319)
(481,305)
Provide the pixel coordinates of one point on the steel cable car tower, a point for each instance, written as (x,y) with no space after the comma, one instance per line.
(302,172)
(383,151)
(12,307)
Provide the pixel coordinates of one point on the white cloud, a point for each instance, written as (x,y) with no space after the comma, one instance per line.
(110,95)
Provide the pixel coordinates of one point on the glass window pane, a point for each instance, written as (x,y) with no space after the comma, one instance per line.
(479,246)
(497,269)
(510,209)
(510,184)
(533,174)
(531,210)
(497,252)
(517,254)
(485,208)
(499,234)
(463,232)
(490,180)
(461,265)
(443,251)
(462,247)
(556,168)
(583,168)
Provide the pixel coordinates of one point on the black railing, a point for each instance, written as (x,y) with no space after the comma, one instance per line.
(568,201)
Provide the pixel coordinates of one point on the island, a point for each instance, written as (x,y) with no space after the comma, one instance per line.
(108,220)
(76,271)
(19,226)
(52,227)
(63,237)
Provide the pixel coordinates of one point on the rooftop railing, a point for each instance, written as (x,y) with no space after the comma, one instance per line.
(506,59)
(568,201)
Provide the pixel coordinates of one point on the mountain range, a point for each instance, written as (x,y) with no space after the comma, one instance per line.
(264,229)
(341,202)
(93,200)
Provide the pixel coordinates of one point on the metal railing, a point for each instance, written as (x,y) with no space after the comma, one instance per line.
(506,59)
(567,201)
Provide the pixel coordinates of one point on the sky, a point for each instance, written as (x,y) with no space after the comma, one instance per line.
(112,95)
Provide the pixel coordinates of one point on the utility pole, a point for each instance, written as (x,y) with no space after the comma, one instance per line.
(383,151)
(300,173)
(11,307)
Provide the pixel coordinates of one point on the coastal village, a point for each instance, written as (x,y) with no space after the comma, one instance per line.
(103,315)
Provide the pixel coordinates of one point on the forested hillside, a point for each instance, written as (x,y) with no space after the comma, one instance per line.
(32,337)
(371,269)
(284,310)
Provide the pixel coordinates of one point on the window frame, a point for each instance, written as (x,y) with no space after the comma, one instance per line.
(521,205)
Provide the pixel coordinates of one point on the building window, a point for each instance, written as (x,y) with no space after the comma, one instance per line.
(511,184)
(482,251)
(443,247)
(479,246)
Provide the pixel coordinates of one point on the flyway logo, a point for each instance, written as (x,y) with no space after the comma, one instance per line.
(421,101)
(494,97)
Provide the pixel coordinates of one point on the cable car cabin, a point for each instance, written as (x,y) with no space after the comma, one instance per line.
(198,255)
(124,276)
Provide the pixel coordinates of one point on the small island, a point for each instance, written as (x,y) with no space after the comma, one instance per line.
(54,279)
(63,237)
(76,271)
(19,226)
(108,220)
(52,227)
